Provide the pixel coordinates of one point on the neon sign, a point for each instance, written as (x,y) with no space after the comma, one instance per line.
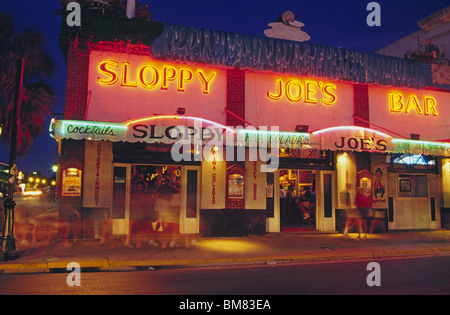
(352,138)
(148,76)
(398,104)
(92,128)
(312,92)
(361,143)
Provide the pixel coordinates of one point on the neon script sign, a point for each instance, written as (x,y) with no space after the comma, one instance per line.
(311,92)
(149,76)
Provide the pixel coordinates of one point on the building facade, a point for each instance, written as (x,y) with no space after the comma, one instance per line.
(236,122)
(430,43)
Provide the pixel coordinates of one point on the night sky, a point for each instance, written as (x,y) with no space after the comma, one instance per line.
(334,23)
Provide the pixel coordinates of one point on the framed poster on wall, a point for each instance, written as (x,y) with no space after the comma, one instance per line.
(236,186)
(405,185)
(71,182)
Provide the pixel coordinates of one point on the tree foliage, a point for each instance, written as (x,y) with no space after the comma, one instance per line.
(37,96)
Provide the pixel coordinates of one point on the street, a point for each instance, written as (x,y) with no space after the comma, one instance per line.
(407,276)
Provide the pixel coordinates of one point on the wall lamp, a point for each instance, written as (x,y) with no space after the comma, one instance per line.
(301,128)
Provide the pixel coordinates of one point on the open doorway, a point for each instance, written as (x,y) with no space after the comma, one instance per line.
(297,200)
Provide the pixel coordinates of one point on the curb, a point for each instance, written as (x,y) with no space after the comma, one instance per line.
(105,265)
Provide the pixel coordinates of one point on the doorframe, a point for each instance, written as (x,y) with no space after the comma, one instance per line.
(190,225)
(323,223)
(121,226)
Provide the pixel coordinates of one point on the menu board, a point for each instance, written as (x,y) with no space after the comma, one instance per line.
(71,182)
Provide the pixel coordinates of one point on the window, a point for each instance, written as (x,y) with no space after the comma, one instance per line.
(414,159)
(411,162)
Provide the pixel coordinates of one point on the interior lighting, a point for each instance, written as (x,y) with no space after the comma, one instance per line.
(343,158)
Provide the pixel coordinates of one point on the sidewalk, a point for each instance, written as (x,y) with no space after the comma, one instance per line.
(268,249)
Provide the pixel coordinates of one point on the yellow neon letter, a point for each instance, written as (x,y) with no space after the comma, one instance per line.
(413,101)
(125,68)
(327,90)
(395,102)
(429,103)
(309,91)
(289,96)
(167,77)
(205,81)
(279,94)
(144,84)
(102,67)
(184,79)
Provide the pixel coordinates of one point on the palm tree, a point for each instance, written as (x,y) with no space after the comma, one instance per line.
(37,96)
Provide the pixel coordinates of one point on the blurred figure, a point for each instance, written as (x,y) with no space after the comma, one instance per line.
(67,225)
(152,217)
(106,229)
(282,201)
(362,203)
(350,220)
(307,199)
(47,225)
(168,209)
(291,204)
(302,205)
(142,217)
(137,216)
(23,225)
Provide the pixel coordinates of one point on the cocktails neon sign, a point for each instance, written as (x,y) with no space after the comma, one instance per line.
(149,76)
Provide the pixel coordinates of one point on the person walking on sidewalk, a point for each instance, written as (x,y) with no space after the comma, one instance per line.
(362,202)
(167,206)
(348,216)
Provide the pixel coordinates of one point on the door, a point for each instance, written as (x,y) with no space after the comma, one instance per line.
(190,200)
(325,207)
(120,199)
